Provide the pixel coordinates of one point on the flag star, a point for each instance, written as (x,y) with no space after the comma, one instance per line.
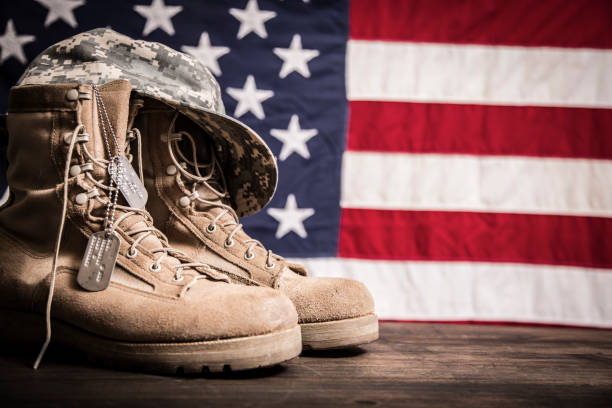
(61,9)
(294,139)
(252,19)
(11,44)
(295,58)
(290,218)
(158,15)
(206,53)
(250,98)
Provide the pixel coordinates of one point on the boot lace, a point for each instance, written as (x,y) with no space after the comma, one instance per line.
(141,233)
(204,175)
(76,141)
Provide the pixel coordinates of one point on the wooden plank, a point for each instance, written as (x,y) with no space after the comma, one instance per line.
(411,365)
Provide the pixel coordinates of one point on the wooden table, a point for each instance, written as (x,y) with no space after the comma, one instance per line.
(411,365)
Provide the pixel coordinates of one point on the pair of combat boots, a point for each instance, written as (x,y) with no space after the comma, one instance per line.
(175,287)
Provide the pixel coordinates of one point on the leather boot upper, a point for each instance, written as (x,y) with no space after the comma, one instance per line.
(142,303)
(194,211)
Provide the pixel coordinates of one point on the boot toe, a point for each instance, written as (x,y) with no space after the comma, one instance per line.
(319,299)
(271,309)
(244,310)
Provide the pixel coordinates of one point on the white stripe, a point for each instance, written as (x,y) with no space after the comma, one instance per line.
(479,291)
(477,183)
(498,75)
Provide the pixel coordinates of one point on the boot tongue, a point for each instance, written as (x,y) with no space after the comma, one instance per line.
(116,97)
(206,192)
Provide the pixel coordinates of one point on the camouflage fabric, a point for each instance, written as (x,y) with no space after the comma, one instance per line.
(177,79)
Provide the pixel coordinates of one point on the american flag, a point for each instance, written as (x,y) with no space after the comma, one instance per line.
(453,155)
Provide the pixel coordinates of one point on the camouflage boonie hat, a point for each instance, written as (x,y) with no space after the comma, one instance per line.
(177,79)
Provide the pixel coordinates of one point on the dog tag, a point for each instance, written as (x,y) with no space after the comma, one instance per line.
(128,182)
(99,261)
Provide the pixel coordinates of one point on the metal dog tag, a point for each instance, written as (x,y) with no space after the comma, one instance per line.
(99,261)
(128,182)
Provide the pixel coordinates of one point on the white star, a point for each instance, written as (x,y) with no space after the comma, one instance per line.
(252,19)
(250,98)
(158,15)
(206,53)
(294,139)
(295,58)
(11,44)
(290,218)
(61,9)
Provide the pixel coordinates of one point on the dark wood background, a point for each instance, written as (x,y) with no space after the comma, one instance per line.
(411,365)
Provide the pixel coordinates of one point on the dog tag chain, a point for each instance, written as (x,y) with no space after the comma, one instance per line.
(121,170)
(102,249)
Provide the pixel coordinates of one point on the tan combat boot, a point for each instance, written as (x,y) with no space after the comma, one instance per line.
(160,311)
(191,205)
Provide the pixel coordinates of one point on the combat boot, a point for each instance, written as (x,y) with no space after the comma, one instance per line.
(187,172)
(61,233)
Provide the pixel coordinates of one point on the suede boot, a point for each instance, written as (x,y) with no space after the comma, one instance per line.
(161,311)
(191,205)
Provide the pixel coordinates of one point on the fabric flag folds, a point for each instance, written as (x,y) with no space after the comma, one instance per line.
(477,183)
(454,156)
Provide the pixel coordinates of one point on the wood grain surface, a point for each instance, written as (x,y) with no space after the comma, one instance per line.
(411,365)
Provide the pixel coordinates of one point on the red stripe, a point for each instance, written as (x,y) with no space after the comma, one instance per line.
(496,323)
(481,237)
(558,23)
(478,129)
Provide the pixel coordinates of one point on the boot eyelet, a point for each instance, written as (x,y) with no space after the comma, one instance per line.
(171,170)
(184,201)
(210,228)
(80,138)
(75,170)
(81,198)
(72,95)
(131,253)
(271,266)
(228,243)
(155,267)
(175,279)
(248,256)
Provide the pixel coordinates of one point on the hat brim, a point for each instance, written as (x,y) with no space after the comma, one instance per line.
(177,79)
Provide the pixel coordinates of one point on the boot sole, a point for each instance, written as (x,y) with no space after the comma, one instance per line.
(242,353)
(340,333)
